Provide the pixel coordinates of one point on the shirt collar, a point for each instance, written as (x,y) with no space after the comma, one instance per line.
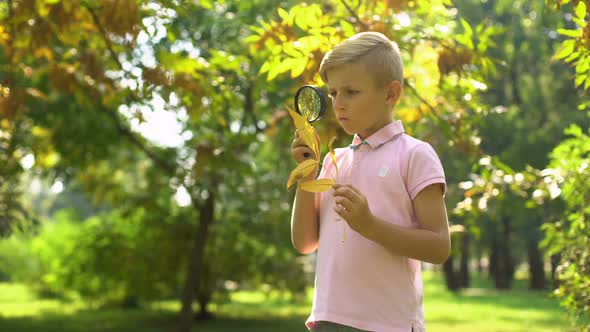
(380,137)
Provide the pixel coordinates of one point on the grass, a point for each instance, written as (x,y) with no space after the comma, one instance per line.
(481,309)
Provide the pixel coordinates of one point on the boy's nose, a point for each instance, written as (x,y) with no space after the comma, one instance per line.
(338,103)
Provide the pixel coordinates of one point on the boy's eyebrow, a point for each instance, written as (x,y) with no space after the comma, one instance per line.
(342,87)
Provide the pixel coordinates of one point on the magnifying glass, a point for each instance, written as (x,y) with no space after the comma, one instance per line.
(310,102)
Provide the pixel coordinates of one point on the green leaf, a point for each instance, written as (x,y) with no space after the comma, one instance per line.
(572,57)
(574,130)
(465,40)
(467,28)
(273,69)
(571,33)
(298,67)
(207,4)
(302,21)
(283,14)
(580,79)
(581,10)
(347,28)
(252,39)
(567,47)
(287,65)
(583,65)
(265,67)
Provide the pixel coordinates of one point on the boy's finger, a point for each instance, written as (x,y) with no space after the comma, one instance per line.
(356,190)
(345,191)
(302,153)
(342,212)
(345,202)
(347,185)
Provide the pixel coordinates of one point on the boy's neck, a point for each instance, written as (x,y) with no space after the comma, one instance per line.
(376,129)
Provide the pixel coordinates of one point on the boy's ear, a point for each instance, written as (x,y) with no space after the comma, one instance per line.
(394,91)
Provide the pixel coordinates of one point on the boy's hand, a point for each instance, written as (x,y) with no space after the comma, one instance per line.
(302,152)
(353,207)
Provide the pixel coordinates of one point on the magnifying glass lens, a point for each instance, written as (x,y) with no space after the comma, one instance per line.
(309,103)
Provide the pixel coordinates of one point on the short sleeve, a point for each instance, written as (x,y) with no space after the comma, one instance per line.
(424,169)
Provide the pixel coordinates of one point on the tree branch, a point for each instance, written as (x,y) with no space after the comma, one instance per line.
(422,99)
(126,132)
(249,107)
(104,36)
(354,14)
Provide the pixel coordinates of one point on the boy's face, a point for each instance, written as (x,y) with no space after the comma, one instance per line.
(360,105)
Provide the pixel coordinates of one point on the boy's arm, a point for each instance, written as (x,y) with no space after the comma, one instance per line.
(304,218)
(304,221)
(430,243)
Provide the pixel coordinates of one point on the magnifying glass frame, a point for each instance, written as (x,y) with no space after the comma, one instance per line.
(322,101)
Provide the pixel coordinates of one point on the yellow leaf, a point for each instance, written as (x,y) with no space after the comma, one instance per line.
(306,131)
(333,153)
(303,169)
(317,186)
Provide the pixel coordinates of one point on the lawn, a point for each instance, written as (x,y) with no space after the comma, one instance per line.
(480,309)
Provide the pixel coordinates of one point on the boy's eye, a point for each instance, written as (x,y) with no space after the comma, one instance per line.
(349,92)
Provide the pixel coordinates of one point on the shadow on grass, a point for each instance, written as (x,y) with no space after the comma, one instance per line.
(291,324)
(91,321)
(142,321)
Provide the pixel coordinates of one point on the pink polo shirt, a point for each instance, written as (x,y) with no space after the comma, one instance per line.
(358,282)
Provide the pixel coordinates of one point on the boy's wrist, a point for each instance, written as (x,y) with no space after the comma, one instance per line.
(372,228)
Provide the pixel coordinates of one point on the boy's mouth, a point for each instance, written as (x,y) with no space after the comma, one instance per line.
(342,119)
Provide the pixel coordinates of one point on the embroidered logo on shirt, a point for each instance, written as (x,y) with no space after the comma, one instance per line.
(383,171)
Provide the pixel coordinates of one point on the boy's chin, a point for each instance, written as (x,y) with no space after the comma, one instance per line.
(349,131)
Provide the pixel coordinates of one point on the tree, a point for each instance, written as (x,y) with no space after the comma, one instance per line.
(83,63)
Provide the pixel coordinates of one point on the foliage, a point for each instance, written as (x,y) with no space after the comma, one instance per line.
(104,260)
(13,211)
(79,78)
(570,235)
(575,49)
(86,80)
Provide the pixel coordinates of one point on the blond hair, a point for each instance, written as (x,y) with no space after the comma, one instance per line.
(380,55)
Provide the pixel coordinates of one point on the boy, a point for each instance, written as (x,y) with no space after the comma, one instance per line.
(389,195)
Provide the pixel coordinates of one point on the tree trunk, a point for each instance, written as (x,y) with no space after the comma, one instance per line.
(204,298)
(464,265)
(554,263)
(205,290)
(451,277)
(479,259)
(536,268)
(501,263)
(492,267)
(196,264)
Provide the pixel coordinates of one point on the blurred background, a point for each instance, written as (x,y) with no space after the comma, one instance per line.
(145,150)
